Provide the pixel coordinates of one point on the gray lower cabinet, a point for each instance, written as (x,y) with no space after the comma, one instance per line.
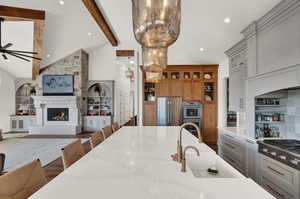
(22,123)
(96,123)
(233,151)
(280,180)
(241,153)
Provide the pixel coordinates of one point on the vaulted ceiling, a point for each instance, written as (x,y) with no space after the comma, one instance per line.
(202,26)
(68,26)
(67,29)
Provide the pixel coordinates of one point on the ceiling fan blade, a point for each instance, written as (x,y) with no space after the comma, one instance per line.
(26,56)
(7,46)
(4,57)
(19,51)
(12,54)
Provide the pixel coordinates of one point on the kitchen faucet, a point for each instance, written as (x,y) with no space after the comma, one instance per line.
(183,163)
(179,142)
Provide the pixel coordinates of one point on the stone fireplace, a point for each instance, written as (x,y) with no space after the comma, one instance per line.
(57,115)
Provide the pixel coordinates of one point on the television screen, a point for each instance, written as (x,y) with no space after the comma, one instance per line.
(58,85)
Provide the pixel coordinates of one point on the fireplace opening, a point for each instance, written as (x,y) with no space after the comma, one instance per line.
(58,114)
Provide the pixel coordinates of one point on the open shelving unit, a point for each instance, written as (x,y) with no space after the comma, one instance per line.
(100,99)
(24,101)
(269,117)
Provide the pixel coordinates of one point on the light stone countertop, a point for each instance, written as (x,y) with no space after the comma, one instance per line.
(135,163)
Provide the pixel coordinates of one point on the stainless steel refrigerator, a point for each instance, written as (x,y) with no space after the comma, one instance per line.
(169,111)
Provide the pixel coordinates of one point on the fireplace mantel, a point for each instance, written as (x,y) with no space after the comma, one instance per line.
(43,103)
(72,101)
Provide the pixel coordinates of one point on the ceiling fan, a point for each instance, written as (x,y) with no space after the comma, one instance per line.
(24,55)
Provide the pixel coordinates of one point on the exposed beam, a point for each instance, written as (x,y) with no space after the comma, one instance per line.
(37,47)
(100,20)
(124,53)
(24,13)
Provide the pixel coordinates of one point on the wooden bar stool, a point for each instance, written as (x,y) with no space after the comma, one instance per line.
(22,182)
(107,131)
(96,139)
(71,153)
(115,127)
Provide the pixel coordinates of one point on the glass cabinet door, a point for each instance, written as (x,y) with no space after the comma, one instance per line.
(209,91)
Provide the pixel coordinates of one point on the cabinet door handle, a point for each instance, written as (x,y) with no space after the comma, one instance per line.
(274,170)
(229,145)
(275,192)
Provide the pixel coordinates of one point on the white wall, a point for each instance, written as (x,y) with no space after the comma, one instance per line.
(102,63)
(222,93)
(7,99)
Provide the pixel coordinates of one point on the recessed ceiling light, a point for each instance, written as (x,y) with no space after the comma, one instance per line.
(48,55)
(61,2)
(132,62)
(227,20)
(89,34)
(201,49)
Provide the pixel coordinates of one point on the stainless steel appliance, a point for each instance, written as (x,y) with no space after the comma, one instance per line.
(285,151)
(192,110)
(192,113)
(169,111)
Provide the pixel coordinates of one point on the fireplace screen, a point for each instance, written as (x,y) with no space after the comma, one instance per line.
(58,114)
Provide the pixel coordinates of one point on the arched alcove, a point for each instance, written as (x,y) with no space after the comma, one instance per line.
(100,99)
(24,101)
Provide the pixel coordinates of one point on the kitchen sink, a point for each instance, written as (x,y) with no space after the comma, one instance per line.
(200,165)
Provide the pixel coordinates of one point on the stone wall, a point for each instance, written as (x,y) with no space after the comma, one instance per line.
(76,64)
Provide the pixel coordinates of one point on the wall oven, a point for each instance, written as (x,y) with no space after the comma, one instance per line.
(192,110)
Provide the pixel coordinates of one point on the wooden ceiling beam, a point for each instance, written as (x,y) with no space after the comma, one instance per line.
(23,13)
(98,16)
(125,53)
(38,35)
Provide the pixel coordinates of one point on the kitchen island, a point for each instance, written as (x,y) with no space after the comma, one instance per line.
(135,163)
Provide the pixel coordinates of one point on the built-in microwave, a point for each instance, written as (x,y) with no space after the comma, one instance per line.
(192,110)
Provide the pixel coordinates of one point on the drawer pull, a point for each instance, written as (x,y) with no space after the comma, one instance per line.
(229,145)
(274,170)
(231,160)
(275,192)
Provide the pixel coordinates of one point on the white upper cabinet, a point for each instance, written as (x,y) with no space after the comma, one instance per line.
(237,76)
(273,41)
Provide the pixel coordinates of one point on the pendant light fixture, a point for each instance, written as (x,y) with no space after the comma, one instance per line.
(155,59)
(153,77)
(156,25)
